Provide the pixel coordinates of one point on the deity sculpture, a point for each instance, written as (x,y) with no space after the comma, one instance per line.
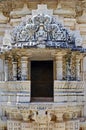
(41,35)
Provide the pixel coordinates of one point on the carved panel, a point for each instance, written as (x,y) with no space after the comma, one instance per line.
(43,29)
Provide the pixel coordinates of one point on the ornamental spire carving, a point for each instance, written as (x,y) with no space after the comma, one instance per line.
(45,30)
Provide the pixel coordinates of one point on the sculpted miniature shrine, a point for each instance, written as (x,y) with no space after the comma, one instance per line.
(43,76)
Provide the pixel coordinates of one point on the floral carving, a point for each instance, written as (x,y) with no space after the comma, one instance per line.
(45,30)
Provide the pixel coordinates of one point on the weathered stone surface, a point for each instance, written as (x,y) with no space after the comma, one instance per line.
(3,19)
(17,13)
(64,11)
(82,19)
(68,109)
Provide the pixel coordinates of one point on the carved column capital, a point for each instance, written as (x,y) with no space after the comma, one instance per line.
(24,58)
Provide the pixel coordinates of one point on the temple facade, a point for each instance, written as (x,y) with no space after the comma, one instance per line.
(43,65)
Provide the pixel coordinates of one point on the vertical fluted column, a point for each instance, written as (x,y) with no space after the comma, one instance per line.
(6,70)
(24,68)
(59,69)
(77,68)
(14,70)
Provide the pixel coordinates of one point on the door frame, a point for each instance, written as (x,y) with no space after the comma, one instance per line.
(52,98)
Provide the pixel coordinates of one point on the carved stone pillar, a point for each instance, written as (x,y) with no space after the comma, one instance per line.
(84,68)
(77,68)
(68,67)
(24,68)
(59,69)
(14,70)
(6,70)
(17,98)
(9,99)
(73,66)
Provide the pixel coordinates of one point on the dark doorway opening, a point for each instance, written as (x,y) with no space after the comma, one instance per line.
(41,81)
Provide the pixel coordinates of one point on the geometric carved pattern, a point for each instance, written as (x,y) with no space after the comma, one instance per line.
(67,66)
(17,86)
(10,68)
(19,68)
(62,85)
(20,86)
(73,67)
(64,68)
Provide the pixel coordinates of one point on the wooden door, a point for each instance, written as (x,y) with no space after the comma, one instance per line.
(42,81)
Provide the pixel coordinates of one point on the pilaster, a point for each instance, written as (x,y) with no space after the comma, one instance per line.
(68,66)
(24,68)
(59,69)
(6,70)
(84,71)
(14,70)
(9,98)
(78,68)
(17,98)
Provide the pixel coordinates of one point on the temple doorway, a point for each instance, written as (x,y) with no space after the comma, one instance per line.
(41,81)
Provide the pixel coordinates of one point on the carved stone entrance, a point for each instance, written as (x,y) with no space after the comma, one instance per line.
(41,81)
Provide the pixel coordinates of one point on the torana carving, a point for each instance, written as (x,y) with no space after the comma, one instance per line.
(43,31)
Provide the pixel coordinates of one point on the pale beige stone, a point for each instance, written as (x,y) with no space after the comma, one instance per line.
(3,19)
(82,19)
(70,23)
(20,12)
(42,9)
(68,109)
(65,12)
